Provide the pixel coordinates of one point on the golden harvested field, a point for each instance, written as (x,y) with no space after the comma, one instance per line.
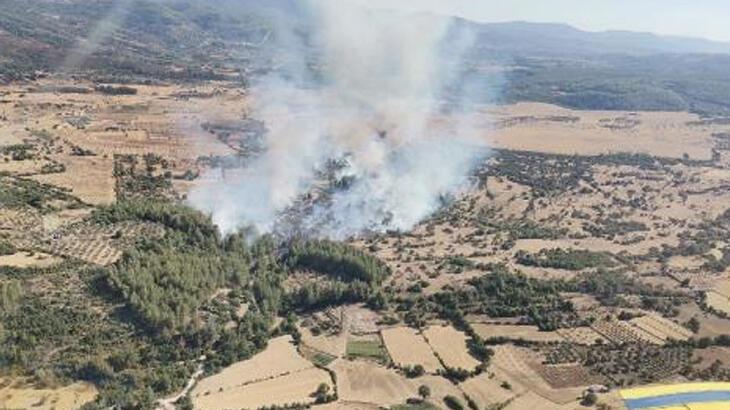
(366,382)
(660,327)
(407,348)
(723,287)
(295,387)
(14,394)
(279,358)
(581,335)
(488,391)
(529,333)
(718,302)
(449,345)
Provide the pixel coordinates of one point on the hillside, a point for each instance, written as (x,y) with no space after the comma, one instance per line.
(189,41)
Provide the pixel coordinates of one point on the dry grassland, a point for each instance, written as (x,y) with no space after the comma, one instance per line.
(89,178)
(449,345)
(544,128)
(17,395)
(710,325)
(407,348)
(27,259)
(712,354)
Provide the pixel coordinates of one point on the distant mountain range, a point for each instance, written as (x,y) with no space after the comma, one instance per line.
(562,39)
(190,40)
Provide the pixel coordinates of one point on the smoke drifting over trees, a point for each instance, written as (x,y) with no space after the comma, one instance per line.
(365,102)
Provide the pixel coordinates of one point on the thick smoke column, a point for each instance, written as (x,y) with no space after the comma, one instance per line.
(378,111)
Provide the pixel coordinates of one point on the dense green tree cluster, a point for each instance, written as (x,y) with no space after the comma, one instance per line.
(20,193)
(194,227)
(611,227)
(115,90)
(7,248)
(499,293)
(570,259)
(10,294)
(164,287)
(337,260)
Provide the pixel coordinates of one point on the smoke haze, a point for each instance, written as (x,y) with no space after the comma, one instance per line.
(368,145)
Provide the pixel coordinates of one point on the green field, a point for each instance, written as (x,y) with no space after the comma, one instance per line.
(367,349)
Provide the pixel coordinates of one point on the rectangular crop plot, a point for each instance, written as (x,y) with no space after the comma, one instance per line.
(408,348)
(524,332)
(367,349)
(450,345)
(662,328)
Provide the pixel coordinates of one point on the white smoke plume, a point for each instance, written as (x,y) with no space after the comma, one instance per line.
(377,109)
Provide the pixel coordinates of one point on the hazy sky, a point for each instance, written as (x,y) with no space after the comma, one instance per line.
(697,18)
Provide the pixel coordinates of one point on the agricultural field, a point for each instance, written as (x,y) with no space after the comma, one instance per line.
(367,348)
(20,394)
(449,345)
(408,348)
(279,358)
(290,388)
(524,371)
(661,328)
(366,382)
(581,335)
(621,332)
(528,333)
(589,250)
(276,376)
(487,390)
(718,302)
